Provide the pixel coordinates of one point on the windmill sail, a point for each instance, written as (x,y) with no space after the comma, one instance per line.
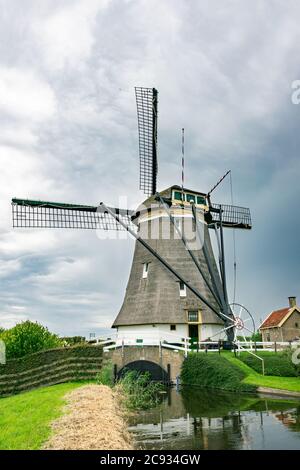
(146,101)
(44,214)
(232,216)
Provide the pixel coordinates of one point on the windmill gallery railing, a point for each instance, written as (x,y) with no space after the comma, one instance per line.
(184,343)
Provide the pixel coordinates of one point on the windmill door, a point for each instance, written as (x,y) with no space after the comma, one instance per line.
(194,335)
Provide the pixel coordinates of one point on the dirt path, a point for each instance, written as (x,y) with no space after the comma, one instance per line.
(93,419)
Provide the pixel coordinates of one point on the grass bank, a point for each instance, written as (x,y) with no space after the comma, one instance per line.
(227,372)
(278,364)
(214,371)
(251,377)
(25,419)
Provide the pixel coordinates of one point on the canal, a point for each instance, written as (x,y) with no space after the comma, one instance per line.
(200,419)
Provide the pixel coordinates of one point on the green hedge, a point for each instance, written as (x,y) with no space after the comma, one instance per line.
(275,364)
(213,371)
(50,367)
(47,357)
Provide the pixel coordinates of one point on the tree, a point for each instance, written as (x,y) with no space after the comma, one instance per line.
(257,336)
(28,337)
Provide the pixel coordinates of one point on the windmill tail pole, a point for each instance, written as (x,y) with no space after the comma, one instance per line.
(164,262)
(182,162)
(219,182)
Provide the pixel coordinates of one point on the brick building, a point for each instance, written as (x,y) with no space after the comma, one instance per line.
(283,324)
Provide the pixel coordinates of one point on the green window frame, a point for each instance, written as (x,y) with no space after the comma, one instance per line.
(190,197)
(201,200)
(178,195)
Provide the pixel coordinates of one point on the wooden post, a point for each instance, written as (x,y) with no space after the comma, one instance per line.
(219,346)
(275,346)
(169,373)
(206,349)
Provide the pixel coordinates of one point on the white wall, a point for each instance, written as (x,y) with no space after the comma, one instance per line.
(162,331)
(181,329)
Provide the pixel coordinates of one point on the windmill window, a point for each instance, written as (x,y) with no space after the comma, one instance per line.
(178,196)
(182,289)
(201,200)
(191,198)
(173,327)
(296,325)
(145,270)
(193,316)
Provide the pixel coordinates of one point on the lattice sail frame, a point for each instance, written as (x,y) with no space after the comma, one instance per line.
(146,102)
(42,214)
(232,216)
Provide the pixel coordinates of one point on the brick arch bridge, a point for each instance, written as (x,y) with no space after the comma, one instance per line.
(161,362)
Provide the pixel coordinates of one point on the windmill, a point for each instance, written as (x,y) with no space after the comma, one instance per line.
(174,284)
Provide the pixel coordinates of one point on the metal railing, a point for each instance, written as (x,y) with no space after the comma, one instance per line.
(185,343)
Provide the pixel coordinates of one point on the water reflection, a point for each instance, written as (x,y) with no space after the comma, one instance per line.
(201,419)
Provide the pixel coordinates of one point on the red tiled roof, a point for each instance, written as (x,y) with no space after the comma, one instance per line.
(275,318)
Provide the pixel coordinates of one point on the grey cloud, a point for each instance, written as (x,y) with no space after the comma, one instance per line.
(224,72)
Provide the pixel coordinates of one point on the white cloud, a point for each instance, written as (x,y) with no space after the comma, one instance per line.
(18,135)
(7,268)
(65,37)
(20,242)
(23,95)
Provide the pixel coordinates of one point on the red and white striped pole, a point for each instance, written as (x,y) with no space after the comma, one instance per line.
(182,163)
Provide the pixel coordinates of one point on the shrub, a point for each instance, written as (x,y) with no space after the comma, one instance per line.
(106,374)
(73,340)
(275,364)
(140,392)
(213,371)
(257,336)
(27,338)
(288,353)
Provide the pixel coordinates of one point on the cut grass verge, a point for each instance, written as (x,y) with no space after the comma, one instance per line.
(25,419)
(279,365)
(254,378)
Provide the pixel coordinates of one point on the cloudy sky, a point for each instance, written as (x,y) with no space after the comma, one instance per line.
(224,71)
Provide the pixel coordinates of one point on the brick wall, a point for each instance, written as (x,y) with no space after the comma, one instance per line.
(288,332)
(163,357)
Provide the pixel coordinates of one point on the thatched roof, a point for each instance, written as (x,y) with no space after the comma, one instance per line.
(156,299)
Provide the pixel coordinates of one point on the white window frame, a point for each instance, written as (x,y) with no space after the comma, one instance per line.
(182,292)
(145,270)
